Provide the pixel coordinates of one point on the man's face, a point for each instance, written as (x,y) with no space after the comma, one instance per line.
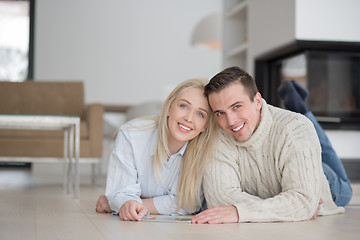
(234,111)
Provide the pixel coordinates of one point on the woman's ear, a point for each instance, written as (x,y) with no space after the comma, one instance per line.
(206,126)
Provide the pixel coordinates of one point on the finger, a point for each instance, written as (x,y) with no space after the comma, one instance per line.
(197,217)
(216,219)
(316,212)
(142,213)
(97,205)
(106,208)
(208,216)
(128,216)
(133,215)
(99,209)
(123,213)
(218,215)
(204,217)
(314,216)
(130,211)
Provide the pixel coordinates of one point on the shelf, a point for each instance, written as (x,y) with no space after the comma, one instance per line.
(235,34)
(239,50)
(237,9)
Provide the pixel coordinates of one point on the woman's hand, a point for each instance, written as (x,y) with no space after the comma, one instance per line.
(102,205)
(132,211)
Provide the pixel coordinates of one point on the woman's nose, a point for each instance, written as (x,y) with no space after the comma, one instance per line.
(189,116)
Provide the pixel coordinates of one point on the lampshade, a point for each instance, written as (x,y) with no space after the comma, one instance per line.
(208,32)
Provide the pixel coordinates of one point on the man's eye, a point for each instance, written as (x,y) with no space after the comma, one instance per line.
(237,107)
(219,114)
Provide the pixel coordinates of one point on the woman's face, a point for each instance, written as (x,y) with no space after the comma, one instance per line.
(187,116)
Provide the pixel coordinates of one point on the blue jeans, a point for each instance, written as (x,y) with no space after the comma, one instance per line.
(334,170)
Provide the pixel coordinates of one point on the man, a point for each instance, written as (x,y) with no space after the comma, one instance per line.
(267,161)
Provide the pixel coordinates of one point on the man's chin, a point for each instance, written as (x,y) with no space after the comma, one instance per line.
(240,138)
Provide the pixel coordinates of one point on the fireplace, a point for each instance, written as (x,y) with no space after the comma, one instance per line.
(330,71)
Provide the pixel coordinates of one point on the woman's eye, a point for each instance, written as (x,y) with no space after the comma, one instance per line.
(183,106)
(201,114)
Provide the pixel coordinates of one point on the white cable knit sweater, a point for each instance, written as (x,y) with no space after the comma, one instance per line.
(276,175)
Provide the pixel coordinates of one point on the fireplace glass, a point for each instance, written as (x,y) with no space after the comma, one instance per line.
(331,77)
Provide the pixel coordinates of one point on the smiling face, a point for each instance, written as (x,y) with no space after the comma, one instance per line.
(235,112)
(187,117)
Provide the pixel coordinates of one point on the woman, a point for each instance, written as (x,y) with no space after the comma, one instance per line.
(157,164)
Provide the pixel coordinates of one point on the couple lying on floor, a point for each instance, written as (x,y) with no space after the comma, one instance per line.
(220,141)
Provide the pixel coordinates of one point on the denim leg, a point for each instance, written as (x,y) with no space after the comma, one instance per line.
(334,170)
(341,191)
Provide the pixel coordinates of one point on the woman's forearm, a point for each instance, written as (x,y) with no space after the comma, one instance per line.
(149,203)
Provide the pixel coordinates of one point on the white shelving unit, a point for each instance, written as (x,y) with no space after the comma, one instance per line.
(235,35)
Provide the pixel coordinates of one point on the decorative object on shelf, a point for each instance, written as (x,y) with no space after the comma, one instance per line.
(208,32)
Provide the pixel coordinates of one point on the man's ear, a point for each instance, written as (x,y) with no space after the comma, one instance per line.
(258,100)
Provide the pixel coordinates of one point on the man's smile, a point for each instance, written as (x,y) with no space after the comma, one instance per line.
(238,128)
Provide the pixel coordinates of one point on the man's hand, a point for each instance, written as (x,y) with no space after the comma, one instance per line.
(102,205)
(225,214)
(132,211)
(317,210)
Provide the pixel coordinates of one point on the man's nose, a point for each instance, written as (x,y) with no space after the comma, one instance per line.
(231,119)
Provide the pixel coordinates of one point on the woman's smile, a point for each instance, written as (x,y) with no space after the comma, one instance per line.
(184,128)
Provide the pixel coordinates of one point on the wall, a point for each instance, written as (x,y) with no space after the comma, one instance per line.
(271,24)
(329,20)
(126,52)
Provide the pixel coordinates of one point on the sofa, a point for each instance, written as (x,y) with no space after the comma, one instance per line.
(49,98)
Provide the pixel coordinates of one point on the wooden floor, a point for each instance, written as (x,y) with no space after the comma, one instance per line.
(33,209)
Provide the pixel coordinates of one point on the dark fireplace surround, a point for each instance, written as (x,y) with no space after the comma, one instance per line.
(329,70)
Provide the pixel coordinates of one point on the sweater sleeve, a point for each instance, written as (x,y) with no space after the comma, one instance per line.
(300,181)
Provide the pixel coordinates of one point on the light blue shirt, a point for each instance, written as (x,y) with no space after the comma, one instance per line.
(131,173)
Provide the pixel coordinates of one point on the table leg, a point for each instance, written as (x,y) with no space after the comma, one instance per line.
(77,156)
(71,154)
(66,165)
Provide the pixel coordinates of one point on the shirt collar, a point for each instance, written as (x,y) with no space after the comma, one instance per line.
(181,151)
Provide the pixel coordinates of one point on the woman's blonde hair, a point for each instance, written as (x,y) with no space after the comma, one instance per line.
(196,156)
